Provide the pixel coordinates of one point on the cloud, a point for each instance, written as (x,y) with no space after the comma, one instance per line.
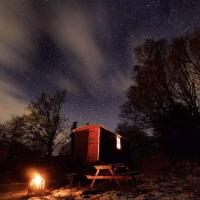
(13,99)
(74,30)
(82,32)
(15,38)
(120,82)
(66,83)
(16,47)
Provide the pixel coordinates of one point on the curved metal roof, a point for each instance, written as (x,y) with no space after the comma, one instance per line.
(90,126)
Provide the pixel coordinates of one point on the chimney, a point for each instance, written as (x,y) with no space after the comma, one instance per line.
(74,126)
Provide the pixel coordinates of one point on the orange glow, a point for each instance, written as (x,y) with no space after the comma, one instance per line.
(118,142)
(37,182)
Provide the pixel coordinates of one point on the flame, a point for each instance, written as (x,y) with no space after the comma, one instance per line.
(37,182)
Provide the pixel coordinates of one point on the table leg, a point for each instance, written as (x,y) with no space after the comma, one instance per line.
(93,181)
(116,181)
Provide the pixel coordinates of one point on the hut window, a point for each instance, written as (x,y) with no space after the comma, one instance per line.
(118,142)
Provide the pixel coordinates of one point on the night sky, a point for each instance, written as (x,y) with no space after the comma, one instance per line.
(85,47)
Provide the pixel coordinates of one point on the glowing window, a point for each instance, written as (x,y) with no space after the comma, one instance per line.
(118,142)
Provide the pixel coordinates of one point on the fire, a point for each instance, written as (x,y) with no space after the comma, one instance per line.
(37,182)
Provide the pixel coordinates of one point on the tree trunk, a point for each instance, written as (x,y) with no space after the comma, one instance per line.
(49,152)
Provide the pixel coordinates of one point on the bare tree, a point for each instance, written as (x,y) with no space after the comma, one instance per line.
(15,130)
(12,133)
(2,134)
(165,94)
(45,123)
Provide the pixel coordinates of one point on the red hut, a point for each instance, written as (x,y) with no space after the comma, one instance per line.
(94,143)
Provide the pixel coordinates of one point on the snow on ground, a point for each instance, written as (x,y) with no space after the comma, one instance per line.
(13,191)
(78,194)
(180,183)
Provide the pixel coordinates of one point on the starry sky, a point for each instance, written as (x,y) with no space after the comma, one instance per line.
(85,47)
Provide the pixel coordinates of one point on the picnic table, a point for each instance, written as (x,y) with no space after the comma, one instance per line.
(111,171)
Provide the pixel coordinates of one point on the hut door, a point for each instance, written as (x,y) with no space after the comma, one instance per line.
(93,145)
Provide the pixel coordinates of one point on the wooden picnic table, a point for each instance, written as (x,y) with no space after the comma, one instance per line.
(111,169)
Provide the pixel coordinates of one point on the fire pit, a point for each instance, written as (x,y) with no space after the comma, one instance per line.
(36,184)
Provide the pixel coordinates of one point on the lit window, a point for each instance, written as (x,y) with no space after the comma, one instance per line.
(118,142)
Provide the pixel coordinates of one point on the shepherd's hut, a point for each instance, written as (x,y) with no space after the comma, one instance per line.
(94,143)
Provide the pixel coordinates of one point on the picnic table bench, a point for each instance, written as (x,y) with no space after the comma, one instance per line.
(111,169)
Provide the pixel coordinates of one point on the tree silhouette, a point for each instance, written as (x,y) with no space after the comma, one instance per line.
(12,134)
(2,134)
(45,125)
(165,93)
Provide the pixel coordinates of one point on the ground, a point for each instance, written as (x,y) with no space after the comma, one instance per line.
(179,183)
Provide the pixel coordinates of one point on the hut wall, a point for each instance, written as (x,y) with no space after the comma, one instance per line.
(93,144)
(81,145)
(108,148)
